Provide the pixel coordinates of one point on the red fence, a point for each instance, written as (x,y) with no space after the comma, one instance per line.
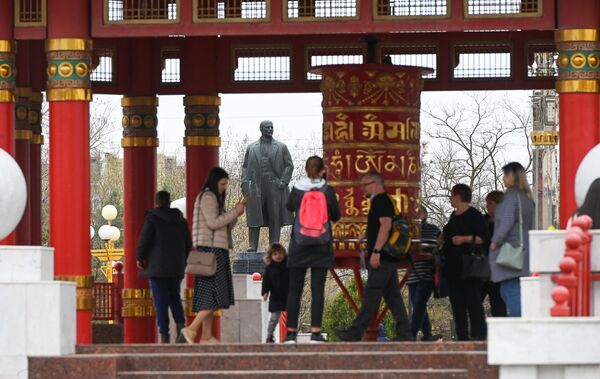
(108,301)
(573,292)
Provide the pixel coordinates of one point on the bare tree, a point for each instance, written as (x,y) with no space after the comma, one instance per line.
(467,143)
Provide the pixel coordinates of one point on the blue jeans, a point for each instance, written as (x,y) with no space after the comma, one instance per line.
(419,294)
(510,290)
(165,292)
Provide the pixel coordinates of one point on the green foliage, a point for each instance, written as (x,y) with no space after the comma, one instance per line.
(339,315)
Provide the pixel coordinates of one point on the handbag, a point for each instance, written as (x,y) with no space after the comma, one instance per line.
(201,263)
(510,256)
(475,264)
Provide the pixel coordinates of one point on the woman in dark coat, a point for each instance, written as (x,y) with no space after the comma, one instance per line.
(319,258)
(465,227)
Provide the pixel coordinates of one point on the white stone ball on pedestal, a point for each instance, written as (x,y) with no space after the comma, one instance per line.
(13,194)
(587,172)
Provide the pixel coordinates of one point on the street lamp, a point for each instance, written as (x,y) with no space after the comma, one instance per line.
(109,234)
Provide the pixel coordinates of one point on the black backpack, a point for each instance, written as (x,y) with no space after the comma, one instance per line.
(399,243)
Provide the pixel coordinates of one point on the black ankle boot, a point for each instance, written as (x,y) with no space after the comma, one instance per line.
(180,338)
(164,338)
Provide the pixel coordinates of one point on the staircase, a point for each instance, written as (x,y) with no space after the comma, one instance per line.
(464,360)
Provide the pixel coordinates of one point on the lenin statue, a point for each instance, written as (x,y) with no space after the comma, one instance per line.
(266,173)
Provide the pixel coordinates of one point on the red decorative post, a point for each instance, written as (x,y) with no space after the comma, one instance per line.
(139,155)
(68,52)
(7,87)
(202,144)
(370,122)
(578,43)
(23,137)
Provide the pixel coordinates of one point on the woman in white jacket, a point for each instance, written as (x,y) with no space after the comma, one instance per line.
(211,233)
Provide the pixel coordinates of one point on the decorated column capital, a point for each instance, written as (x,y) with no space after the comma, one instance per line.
(69,68)
(35,118)
(22,126)
(578,60)
(202,121)
(139,121)
(7,71)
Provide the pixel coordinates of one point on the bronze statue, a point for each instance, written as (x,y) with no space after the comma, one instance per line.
(266,173)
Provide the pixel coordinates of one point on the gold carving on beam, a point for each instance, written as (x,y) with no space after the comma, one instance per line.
(201,100)
(137,302)
(544,138)
(373,109)
(570,35)
(202,141)
(6,46)
(139,101)
(21,134)
(139,142)
(6,96)
(69,94)
(373,145)
(37,139)
(68,44)
(577,86)
(81,281)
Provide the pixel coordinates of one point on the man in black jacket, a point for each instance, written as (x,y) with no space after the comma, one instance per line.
(164,245)
(383,274)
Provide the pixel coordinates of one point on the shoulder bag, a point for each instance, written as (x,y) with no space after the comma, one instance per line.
(475,264)
(510,256)
(201,263)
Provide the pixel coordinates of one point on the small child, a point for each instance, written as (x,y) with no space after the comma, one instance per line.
(275,282)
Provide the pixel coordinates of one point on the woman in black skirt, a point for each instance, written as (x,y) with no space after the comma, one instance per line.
(212,233)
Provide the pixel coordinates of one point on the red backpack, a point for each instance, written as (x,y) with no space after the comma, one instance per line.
(311,224)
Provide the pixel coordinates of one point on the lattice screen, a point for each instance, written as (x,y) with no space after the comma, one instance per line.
(230,9)
(503,7)
(482,62)
(411,8)
(322,8)
(141,10)
(171,71)
(30,11)
(259,64)
(103,65)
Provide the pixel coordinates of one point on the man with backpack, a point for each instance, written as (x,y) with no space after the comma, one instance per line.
(383,275)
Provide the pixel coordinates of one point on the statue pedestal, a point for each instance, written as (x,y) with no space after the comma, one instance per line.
(249,262)
(38,315)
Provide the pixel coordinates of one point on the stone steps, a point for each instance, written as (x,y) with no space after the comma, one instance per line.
(303,374)
(349,360)
(232,348)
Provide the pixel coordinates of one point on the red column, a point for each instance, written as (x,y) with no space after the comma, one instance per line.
(201,143)
(35,168)
(23,137)
(139,143)
(7,101)
(578,85)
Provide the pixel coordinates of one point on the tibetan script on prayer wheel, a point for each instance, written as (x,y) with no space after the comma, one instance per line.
(371,122)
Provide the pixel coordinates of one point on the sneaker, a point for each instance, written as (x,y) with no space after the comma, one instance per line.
(317,338)
(270,339)
(290,338)
(346,335)
(188,335)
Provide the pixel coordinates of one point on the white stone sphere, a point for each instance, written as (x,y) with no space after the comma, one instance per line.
(588,171)
(13,194)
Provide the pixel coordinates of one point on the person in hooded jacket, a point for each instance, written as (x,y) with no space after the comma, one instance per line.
(162,250)
(319,258)
(275,285)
